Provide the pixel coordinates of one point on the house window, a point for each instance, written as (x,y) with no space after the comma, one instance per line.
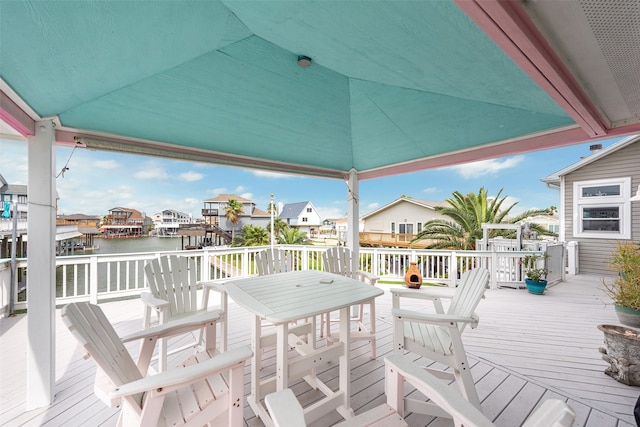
(22,199)
(602,209)
(419,227)
(309,210)
(305,219)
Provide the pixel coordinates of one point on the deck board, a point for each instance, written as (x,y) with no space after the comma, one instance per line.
(526,349)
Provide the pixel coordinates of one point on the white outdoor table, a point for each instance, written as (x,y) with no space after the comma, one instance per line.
(283,298)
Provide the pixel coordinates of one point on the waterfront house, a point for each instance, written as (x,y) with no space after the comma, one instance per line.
(301,215)
(167,222)
(125,222)
(594,202)
(213,213)
(397,223)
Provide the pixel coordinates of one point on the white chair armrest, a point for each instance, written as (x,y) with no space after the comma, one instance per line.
(284,408)
(175,327)
(432,318)
(452,402)
(172,379)
(425,292)
(215,285)
(552,413)
(150,301)
(368,277)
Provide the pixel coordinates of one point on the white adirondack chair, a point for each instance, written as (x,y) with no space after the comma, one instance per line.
(203,389)
(285,410)
(272,261)
(338,260)
(174,295)
(437,336)
(275,260)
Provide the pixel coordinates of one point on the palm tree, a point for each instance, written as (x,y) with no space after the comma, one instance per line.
(468,214)
(232,212)
(279,226)
(293,236)
(252,235)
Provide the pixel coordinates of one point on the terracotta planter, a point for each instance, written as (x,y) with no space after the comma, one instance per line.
(413,278)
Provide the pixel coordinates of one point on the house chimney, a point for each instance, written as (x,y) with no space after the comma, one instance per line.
(595,148)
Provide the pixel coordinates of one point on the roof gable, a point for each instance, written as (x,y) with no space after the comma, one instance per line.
(293,210)
(555,177)
(428,204)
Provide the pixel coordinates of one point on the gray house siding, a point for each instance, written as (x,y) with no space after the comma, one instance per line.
(594,254)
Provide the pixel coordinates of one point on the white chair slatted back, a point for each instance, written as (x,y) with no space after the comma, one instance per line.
(93,330)
(174,279)
(272,260)
(338,260)
(469,292)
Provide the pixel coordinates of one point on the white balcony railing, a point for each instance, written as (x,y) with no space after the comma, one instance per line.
(102,277)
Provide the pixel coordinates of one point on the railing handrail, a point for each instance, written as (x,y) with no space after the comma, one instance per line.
(96,277)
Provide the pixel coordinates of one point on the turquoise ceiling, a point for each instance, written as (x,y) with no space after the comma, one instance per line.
(391,81)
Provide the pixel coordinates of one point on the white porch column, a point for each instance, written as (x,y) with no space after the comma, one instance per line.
(41,261)
(353,216)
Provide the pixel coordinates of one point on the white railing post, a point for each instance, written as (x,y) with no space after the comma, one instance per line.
(93,279)
(453,269)
(245,262)
(206,267)
(375,263)
(493,269)
(572,258)
(305,258)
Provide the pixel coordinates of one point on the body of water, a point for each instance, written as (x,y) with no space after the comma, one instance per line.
(138,244)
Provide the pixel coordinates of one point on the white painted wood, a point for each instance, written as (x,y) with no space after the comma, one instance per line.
(285,297)
(168,396)
(438,336)
(353,216)
(41,265)
(174,294)
(285,410)
(559,357)
(340,260)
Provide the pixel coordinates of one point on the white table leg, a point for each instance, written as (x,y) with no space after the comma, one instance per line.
(282,360)
(256,359)
(345,363)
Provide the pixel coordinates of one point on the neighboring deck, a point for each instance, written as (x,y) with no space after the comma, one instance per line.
(527,348)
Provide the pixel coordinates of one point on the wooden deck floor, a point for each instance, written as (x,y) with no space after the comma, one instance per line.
(526,349)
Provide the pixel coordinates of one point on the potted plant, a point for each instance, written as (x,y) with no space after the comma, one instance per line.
(536,273)
(624,290)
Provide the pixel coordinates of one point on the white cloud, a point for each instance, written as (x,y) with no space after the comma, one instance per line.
(191,176)
(430,190)
(151,173)
(220,190)
(105,164)
(486,167)
(239,189)
(330,212)
(247,196)
(373,205)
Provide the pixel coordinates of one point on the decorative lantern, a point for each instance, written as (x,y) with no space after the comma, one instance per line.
(413,278)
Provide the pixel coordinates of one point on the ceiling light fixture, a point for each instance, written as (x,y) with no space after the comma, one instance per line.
(304,61)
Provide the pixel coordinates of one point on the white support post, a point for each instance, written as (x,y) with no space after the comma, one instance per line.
(41,262)
(353,214)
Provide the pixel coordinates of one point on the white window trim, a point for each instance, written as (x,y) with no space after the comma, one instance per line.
(621,201)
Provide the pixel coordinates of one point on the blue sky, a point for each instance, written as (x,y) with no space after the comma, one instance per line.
(98,181)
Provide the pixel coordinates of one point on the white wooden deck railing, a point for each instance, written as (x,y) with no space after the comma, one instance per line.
(101,277)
